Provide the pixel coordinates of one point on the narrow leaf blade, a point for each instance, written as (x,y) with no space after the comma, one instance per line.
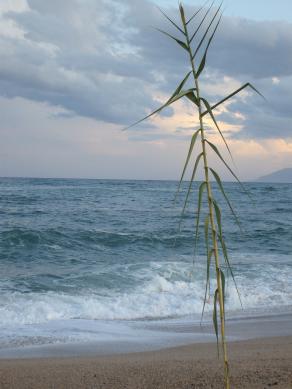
(202,21)
(190,186)
(206,228)
(233,94)
(181,43)
(191,96)
(209,257)
(203,61)
(215,321)
(220,185)
(207,105)
(182,14)
(181,85)
(206,32)
(192,144)
(196,13)
(215,149)
(222,276)
(171,21)
(226,258)
(202,187)
(218,216)
(169,102)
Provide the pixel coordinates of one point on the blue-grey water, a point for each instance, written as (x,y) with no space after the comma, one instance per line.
(78,253)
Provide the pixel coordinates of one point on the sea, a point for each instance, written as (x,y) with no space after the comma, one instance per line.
(113,261)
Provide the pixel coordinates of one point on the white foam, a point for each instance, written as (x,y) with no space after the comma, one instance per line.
(160,297)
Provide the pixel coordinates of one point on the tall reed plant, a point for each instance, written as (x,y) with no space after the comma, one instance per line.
(195,36)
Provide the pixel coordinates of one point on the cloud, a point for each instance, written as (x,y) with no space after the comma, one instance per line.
(257,49)
(104,60)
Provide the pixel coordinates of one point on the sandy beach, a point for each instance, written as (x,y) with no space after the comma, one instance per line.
(260,363)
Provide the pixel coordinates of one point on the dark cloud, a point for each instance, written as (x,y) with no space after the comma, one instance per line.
(252,48)
(103,59)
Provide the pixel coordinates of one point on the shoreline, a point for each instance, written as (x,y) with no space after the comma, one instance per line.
(257,363)
(102,338)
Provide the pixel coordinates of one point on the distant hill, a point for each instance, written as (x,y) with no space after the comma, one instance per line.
(283,175)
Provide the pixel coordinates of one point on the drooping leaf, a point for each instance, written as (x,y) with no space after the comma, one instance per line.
(202,21)
(181,43)
(222,276)
(225,163)
(193,142)
(190,186)
(222,159)
(202,187)
(206,32)
(218,215)
(203,61)
(209,256)
(207,287)
(219,182)
(233,94)
(215,321)
(226,258)
(207,105)
(171,21)
(206,228)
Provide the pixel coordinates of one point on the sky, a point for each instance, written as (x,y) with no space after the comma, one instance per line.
(74,73)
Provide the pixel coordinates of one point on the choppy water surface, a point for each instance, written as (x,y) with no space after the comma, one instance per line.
(83,250)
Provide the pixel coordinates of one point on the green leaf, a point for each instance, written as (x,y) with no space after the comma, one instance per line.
(209,257)
(203,61)
(219,182)
(206,228)
(225,163)
(222,159)
(196,13)
(171,21)
(226,258)
(181,43)
(223,287)
(175,96)
(193,141)
(215,321)
(202,21)
(233,94)
(207,105)
(218,215)
(190,187)
(202,187)
(206,32)
(182,14)
(192,178)
(191,96)
(183,93)
(179,88)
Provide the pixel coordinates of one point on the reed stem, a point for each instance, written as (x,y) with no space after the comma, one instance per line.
(210,210)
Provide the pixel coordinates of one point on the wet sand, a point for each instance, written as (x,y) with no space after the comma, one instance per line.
(259,363)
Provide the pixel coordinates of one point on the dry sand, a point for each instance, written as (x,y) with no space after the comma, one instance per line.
(262,363)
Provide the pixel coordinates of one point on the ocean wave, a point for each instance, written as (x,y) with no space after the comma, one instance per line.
(28,237)
(25,237)
(160,297)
